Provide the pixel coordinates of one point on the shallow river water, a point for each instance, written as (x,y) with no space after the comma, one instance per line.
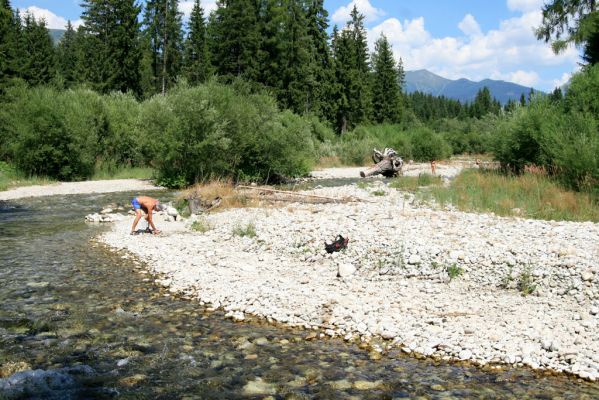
(66,301)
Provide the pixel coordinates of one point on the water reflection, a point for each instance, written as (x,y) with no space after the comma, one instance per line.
(67,301)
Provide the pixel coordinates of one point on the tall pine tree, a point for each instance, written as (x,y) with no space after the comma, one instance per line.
(164,41)
(67,56)
(350,51)
(235,38)
(112,27)
(319,90)
(197,66)
(386,90)
(39,66)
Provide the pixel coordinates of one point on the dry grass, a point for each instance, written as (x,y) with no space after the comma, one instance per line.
(230,196)
(329,162)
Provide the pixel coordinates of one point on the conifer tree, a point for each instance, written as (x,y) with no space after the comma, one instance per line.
(164,41)
(235,38)
(297,71)
(6,39)
(319,90)
(197,60)
(67,56)
(39,66)
(352,74)
(111,47)
(386,90)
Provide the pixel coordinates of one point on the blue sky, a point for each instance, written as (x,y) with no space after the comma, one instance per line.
(471,39)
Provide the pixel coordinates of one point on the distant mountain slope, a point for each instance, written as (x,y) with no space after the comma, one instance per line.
(461,89)
(56,35)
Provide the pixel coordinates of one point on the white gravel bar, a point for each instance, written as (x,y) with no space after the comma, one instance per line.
(392,281)
(105,186)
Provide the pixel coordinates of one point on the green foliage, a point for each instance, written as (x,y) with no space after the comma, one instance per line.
(525,282)
(248,230)
(193,134)
(196,62)
(52,133)
(454,270)
(563,141)
(428,145)
(386,92)
(112,29)
(567,21)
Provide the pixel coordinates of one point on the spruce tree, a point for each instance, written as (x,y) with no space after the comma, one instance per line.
(164,41)
(8,43)
(352,74)
(319,90)
(297,71)
(235,38)
(39,66)
(385,89)
(111,46)
(197,60)
(67,56)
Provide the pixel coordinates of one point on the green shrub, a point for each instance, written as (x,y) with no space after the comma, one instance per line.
(213,131)
(428,145)
(120,145)
(54,134)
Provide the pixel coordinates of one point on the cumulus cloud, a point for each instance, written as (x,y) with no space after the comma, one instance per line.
(469,26)
(562,81)
(53,21)
(371,14)
(511,52)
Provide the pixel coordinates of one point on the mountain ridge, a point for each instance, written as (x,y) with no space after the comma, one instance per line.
(462,89)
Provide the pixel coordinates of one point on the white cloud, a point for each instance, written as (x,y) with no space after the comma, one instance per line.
(525,5)
(469,26)
(371,14)
(53,21)
(562,81)
(510,52)
(186,6)
(524,78)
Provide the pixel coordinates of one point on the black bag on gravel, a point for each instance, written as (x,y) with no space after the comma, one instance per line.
(339,243)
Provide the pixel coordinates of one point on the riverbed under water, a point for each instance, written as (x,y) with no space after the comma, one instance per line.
(67,301)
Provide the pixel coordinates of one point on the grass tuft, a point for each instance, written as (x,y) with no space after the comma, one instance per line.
(202,225)
(249,230)
(454,271)
(529,195)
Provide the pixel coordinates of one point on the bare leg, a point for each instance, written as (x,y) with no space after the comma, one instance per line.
(136,220)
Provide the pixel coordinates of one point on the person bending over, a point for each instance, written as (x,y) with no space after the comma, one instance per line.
(148,205)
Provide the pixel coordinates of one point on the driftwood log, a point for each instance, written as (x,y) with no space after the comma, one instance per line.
(386,163)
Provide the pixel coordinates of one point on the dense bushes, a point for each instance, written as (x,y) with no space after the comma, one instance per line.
(53,134)
(417,143)
(189,135)
(562,137)
(213,131)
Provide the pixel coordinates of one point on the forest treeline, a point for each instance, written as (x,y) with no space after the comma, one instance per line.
(258,89)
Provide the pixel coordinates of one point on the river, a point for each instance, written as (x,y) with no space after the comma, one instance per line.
(67,301)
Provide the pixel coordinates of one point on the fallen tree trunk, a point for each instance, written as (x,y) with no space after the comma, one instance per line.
(387,163)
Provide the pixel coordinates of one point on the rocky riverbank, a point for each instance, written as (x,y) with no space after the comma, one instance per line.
(438,283)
